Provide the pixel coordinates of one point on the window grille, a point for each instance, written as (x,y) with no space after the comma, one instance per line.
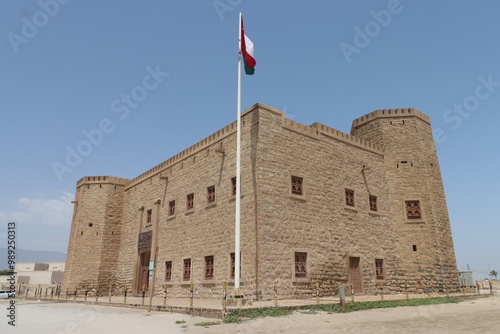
(300,265)
(297,184)
(413,210)
(349,197)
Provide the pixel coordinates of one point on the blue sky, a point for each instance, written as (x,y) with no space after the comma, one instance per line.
(69,65)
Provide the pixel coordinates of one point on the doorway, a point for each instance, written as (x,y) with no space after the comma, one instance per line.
(143,271)
(355,274)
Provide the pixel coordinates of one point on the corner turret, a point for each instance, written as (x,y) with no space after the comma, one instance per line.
(95,231)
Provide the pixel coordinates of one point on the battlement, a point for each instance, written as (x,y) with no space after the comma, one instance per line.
(316,130)
(390,113)
(193,149)
(347,138)
(199,146)
(119,181)
(307,130)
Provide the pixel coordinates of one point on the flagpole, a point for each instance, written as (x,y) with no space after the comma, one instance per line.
(238,175)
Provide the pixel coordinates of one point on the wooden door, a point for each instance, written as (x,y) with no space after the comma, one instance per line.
(144,271)
(355,274)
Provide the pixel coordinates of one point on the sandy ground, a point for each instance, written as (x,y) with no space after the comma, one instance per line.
(476,316)
(62,318)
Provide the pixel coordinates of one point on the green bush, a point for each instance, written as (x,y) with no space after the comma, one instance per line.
(207,323)
(237,316)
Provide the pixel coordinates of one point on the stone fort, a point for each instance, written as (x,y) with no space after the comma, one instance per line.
(318,206)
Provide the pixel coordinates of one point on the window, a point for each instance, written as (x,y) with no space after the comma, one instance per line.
(413,210)
(211,194)
(233,266)
(414,248)
(233,186)
(149,216)
(168,271)
(379,269)
(297,185)
(349,197)
(373,203)
(171,208)
(209,267)
(300,265)
(186,276)
(190,201)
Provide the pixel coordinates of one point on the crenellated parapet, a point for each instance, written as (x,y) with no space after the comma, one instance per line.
(119,181)
(316,131)
(347,138)
(196,148)
(390,113)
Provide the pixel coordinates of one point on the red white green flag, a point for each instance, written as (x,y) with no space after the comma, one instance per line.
(247,52)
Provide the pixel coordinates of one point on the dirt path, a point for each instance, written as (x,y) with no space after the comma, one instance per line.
(477,316)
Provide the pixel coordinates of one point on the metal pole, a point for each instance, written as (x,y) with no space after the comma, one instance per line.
(224,297)
(164,294)
(275,294)
(154,247)
(238,175)
(191,295)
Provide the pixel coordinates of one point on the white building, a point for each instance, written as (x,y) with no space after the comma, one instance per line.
(39,273)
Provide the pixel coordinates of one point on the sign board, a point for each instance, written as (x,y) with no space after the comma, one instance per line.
(145,239)
(150,275)
(151,265)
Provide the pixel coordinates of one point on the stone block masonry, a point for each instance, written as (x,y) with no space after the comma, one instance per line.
(318,206)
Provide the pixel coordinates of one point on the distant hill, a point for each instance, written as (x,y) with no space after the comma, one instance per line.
(24,255)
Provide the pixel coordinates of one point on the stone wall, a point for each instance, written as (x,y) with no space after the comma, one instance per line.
(424,247)
(95,232)
(206,230)
(274,222)
(319,222)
